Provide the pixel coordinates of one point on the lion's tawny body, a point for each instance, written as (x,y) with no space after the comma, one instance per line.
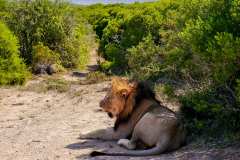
(141,117)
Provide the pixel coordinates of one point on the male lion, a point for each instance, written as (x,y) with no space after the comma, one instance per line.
(142,117)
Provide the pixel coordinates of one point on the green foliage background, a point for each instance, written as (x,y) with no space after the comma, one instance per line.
(49,33)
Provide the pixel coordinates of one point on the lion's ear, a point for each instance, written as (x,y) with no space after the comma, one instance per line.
(124,93)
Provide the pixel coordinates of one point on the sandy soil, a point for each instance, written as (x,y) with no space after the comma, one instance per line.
(47,125)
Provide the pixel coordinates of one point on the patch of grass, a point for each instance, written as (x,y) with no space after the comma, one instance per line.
(50,84)
(95,77)
(39,87)
(58,85)
(78,93)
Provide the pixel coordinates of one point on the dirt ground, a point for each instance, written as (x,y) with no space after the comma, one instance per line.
(46,125)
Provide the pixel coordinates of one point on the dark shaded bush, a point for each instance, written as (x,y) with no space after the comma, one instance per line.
(214,113)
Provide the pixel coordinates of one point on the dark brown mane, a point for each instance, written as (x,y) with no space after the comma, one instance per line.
(143,91)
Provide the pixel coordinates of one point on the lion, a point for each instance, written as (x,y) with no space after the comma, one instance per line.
(140,116)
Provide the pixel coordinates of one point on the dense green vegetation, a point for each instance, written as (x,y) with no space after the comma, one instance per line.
(49,33)
(188,44)
(54,25)
(12,68)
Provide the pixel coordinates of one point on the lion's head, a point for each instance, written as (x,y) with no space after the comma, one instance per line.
(119,100)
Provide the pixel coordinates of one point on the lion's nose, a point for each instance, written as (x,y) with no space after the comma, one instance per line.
(110,115)
(101,104)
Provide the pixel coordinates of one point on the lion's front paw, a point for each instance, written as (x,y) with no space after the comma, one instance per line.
(123,142)
(126,143)
(90,136)
(102,134)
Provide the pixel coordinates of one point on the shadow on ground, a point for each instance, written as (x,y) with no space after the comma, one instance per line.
(188,152)
(79,74)
(92,68)
(94,144)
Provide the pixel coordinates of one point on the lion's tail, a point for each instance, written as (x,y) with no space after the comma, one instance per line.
(149,152)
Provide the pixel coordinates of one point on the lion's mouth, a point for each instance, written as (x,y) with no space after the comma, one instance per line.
(110,115)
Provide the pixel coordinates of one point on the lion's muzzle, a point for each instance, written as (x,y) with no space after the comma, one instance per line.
(102,103)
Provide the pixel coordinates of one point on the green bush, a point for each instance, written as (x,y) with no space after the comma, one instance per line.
(56,25)
(143,60)
(140,25)
(39,21)
(213,113)
(121,27)
(3,10)
(237,90)
(106,66)
(43,55)
(74,51)
(12,68)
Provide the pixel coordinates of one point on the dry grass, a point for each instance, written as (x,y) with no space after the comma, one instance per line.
(52,83)
(59,84)
(94,77)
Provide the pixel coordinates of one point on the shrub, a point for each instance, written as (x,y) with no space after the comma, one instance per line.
(74,51)
(12,68)
(237,90)
(43,55)
(144,59)
(121,27)
(140,25)
(3,12)
(106,66)
(213,113)
(56,26)
(39,21)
